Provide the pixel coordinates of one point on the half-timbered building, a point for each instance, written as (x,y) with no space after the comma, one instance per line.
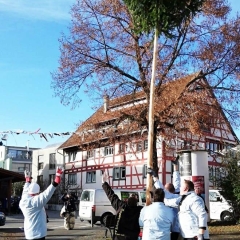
(107,141)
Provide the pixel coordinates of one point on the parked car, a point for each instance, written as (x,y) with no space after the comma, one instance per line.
(94,204)
(220,208)
(2,219)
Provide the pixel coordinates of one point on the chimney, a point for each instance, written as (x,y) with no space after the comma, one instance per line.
(105,103)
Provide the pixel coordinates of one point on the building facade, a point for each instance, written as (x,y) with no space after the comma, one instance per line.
(16,159)
(111,141)
(44,164)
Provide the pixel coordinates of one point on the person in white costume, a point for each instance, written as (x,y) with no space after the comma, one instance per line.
(171,191)
(32,206)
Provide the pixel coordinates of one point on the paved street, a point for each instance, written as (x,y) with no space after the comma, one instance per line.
(56,230)
(82,230)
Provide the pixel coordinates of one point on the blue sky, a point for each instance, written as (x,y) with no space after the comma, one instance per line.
(29,33)
(29,45)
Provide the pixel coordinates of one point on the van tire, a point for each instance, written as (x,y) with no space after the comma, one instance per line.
(226,216)
(103,218)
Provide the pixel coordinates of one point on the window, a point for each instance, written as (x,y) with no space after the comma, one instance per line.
(52,161)
(143,196)
(205,126)
(70,156)
(139,146)
(40,181)
(213,146)
(40,162)
(91,177)
(108,150)
(119,173)
(72,179)
(126,195)
(40,166)
(19,154)
(87,196)
(29,154)
(215,174)
(90,154)
(122,147)
(144,171)
(51,178)
(145,144)
(214,196)
(12,153)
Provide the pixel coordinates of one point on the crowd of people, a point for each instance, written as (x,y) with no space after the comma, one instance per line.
(175,212)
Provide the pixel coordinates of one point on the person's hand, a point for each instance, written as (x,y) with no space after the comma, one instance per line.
(175,162)
(152,172)
(104,177)
(27,175)
(59,172)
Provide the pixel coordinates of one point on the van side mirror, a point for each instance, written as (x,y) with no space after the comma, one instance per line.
(219,199)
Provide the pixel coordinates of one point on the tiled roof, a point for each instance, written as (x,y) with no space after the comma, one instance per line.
(86,133)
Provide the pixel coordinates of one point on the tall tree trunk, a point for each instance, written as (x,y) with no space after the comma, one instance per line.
(151,131)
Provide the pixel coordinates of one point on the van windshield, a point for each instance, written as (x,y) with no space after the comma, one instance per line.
(87,196)
(143,197)
(126,195)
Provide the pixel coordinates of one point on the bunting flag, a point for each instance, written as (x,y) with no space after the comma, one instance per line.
(44,135)
(4,134)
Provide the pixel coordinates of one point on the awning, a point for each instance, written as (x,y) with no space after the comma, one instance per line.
(6,175)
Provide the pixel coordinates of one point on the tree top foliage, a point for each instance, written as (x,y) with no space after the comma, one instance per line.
(103,54)
(164,15)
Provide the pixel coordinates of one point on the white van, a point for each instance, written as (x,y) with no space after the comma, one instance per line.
(220,209)
(94,204)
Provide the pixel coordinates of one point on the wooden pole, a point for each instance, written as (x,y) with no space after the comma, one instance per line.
(151,119)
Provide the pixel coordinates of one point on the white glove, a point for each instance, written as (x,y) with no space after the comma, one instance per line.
(27,175)
(104,177)
(200,237)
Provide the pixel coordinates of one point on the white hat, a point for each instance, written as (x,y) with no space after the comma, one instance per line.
(33,188)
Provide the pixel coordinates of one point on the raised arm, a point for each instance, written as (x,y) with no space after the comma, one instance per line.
(172,202)
(176,179)
(158,184)
(113,198)
(26,185)
(43,198)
